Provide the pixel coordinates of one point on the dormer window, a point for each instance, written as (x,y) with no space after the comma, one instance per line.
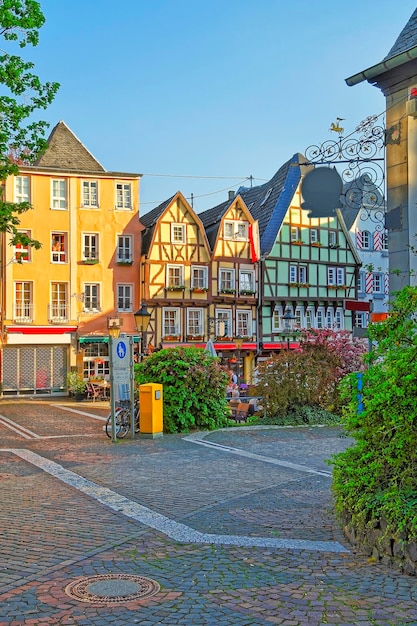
(178,233)
(268,193)
(236,230)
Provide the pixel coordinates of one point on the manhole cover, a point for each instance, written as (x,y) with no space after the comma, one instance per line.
(112,588)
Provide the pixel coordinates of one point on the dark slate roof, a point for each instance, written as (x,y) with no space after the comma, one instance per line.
(149,220)
(267,203)
(211,220)
(66,152)
(407,39)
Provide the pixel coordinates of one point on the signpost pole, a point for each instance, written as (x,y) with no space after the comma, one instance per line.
(112,392)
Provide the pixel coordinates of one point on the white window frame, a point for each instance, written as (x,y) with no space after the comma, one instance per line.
(124,249)
(171,327)
(244,323)
(332,238)
(340,276)
(91,298)
(320,318)
(293,277)
(339,319)
(178,233)
(199,277)
(22,189)
(362,282)
(23,306)
(295,233)
(302,274)
(59,240)
(314,235)
(59,301)
(226,278)
(329,318)
(247,280)
(59,190)
(195,324)
(299,314)
(361,319)
(336,276)
(309,317)
(89,194)
(123,196)
(224,323)
(124,297)
(174,276)
(378,283)
(21,253)
(236,229)
(277,318)
(366,240)
(90,247)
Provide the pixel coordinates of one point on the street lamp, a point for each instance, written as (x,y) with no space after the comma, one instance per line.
(142,318)
(238,344)
(113,326)
(289,325)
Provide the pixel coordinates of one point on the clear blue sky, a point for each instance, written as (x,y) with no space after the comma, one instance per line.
(219,88)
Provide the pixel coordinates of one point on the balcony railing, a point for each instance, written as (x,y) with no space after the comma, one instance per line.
(58,313)
(23,313)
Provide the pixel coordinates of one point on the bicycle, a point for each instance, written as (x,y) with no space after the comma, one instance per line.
(122,420)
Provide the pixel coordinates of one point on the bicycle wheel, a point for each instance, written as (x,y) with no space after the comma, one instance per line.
(122,423)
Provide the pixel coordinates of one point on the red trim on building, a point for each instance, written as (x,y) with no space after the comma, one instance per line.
(217,346)
(279,346)
(42,330)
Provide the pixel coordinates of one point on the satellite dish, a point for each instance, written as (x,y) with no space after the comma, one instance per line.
(321,189)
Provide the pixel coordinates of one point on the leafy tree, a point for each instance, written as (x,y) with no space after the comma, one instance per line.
(21,141)
(194,387)
(377,477)
(309,377)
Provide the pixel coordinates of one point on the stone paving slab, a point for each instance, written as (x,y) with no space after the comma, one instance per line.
(53,534)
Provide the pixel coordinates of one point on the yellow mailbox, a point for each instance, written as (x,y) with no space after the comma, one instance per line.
(151,410)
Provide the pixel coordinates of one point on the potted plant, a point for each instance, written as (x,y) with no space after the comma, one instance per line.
(76,385)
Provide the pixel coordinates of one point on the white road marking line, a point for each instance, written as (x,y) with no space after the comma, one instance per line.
(257,457)
(67,408)
(175,530)
(17,428)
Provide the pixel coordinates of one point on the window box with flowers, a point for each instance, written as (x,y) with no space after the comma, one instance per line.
(176,288)
(303,285)
(124,262)
(316,244)
(225,338)
(199,289)
(90,261)
(336,286)
(230,292)
(194,337)
(298,242)
(246,292)
(171,338)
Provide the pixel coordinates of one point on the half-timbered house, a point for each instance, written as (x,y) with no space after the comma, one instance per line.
(232,234)
(176,274)
(308,266)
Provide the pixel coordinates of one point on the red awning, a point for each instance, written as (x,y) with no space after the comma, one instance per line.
(42,330)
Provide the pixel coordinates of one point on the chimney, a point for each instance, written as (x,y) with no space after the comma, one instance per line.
(231,195)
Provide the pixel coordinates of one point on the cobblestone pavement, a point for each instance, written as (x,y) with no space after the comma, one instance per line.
(184,512)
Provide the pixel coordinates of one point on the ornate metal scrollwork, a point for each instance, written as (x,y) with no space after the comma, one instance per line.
(361,169)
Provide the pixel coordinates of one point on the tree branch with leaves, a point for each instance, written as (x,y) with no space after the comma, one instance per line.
(21,140)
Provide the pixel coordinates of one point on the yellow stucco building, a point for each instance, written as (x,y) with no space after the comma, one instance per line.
(57,301)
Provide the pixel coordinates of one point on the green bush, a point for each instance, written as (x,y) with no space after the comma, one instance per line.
(292,379)
(194,387)
(376,479)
